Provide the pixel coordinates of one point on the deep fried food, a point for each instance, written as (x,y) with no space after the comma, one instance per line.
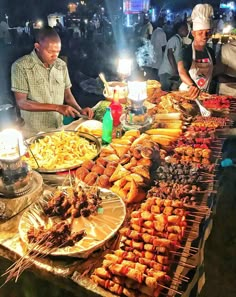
(109,170)
(101,161)
(88,164)
(81,173)
(103,181)
(91,179)
(62,149)
(99,169)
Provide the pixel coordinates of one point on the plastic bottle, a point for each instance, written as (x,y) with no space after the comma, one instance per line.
(107,125)
(116,109)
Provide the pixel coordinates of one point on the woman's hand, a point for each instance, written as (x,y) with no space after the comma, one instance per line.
(193,92)
(87,111)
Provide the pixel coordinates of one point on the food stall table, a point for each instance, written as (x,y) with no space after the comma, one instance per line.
(72,273)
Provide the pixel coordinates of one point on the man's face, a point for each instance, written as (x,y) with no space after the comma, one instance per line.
(48,50)
(201,36)
(183,31)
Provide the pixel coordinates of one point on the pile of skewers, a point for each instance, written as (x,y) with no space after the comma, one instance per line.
(171,190)
(43,242)
(149,245)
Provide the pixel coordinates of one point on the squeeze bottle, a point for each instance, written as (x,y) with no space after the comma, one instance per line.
(116,109)
(107,125)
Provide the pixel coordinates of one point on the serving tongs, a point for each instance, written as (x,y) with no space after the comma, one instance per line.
(28,147)
(204,112)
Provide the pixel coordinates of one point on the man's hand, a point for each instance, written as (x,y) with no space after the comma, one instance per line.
(67,111)
(88,111)
(193,92)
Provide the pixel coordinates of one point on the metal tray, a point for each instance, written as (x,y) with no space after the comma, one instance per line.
(87,136)
(99,228)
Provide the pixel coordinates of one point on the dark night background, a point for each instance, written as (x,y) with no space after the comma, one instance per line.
(18,11)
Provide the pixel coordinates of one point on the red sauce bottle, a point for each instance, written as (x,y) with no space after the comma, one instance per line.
(116,109)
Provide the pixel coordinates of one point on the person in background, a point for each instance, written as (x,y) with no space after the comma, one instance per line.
(225,69)
(41,84)
(58,27)
(4,33)
(159,42)
(189,38)
(196,66)
(220,25)
(27,31)
(146,29)
(76,30)
(168,29)
(168,71)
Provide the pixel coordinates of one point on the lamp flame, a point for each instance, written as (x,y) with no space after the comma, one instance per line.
(124,67)
(137,90)
(11,145)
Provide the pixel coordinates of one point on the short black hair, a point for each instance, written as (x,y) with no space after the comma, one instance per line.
(179,25)
(46,32)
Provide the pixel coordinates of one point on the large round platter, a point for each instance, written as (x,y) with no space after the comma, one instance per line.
(99,228)
(71,163)
(93,127)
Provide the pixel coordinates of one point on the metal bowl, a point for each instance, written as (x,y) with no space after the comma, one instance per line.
(87,136)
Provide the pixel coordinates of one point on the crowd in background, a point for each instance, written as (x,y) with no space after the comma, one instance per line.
(90,46)
(154,41)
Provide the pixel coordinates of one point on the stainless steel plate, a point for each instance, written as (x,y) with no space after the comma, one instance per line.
(99,228)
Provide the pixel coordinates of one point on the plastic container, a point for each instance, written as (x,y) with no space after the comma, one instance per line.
(107,126)
(116,109)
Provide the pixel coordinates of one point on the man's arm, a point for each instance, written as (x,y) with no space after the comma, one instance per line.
(194,91)
(172,61)
(29,105)
(163,48)
(70,100)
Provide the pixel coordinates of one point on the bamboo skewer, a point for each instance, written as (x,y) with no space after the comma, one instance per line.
(180,276)
(182,254)
(190,248)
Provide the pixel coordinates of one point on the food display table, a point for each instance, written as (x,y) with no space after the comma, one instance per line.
(74,274)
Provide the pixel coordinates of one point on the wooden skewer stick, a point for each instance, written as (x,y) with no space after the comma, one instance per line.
(181,276)
(180,263)
(189,232)
(191,228)
(181,254)
(180,281)
(209,181)
(191,248)
(168,288)
(196,216)
(197,207)
(192,221)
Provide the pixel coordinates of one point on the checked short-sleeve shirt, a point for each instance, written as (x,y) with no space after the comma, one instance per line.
(44,85)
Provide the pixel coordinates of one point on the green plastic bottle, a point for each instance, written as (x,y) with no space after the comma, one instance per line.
(107,126)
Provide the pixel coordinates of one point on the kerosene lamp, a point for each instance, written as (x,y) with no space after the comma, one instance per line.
(19,185)
(124,68)
(136,116)
(15,175)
